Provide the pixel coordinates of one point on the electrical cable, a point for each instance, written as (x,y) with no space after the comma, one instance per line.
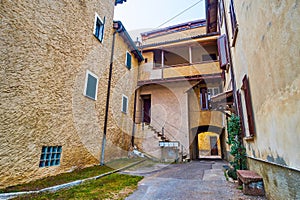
(179,14)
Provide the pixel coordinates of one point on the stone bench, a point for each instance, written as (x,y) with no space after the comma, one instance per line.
(252,182)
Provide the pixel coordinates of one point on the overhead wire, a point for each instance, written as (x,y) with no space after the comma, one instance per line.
(179,13)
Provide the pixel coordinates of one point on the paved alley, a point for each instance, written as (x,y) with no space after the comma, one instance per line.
(194,180)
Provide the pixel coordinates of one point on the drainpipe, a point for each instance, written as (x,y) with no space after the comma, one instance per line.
(230,58)
(107,99)
(133,118)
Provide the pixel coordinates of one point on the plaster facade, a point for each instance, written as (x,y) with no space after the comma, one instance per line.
(164,78)
(266,49)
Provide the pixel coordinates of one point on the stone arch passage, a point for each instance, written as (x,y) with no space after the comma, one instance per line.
(206,142)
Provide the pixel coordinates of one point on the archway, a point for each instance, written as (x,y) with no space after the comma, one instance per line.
(206,142)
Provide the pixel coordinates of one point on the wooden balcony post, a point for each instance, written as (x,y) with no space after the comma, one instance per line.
(190,55)
(162,63)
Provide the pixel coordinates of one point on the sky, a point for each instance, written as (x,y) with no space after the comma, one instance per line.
(138,15)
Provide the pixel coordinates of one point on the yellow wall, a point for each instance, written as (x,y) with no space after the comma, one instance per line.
(204,144)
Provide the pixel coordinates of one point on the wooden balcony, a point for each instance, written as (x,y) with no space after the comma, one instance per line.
(150,72)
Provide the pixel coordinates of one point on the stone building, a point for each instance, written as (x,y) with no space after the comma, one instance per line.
(55,65)
(259,54)
(179,74)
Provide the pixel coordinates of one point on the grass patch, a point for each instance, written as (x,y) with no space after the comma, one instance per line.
(77,174)
(114,186)
(58,179)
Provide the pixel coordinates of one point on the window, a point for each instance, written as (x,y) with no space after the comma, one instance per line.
(124,104)
(205,94)
(223,51)
(204,98)
(91,85)
(99,28)
(128,60)
(221,11)
(213,91)
(234,25)
(249,108)
(50,156)
(240,110)
(208,57)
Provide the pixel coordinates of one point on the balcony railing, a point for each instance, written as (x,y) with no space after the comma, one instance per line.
(152,71)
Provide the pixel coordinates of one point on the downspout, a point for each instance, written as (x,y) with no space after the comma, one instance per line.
(133,118)
(230,58)
(107,99)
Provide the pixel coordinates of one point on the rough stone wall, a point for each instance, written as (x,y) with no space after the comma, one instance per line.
(124,82)
(267,50)
(46,48)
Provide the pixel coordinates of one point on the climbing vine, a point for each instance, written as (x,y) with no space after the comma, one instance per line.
(237,150)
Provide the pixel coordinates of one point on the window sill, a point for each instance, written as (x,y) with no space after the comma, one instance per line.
(99,39)
(249,138)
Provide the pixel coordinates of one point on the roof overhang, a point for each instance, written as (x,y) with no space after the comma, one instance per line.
(119,27)
(222,100)
(183,41)
(119,2)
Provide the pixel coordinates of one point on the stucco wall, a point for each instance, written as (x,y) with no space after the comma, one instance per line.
(46,51)
(279,182)
(169,109)
(267,50)
(204,144)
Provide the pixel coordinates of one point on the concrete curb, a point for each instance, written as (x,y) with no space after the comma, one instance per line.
(5,196)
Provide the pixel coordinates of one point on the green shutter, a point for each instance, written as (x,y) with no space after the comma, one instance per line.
(124,104)
(128,60)
(91,86)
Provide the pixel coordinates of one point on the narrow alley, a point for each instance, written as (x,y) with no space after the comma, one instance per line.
(194,180)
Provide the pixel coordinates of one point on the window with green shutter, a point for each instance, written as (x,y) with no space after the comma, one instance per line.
(91,85)
(128,60)
(124,104)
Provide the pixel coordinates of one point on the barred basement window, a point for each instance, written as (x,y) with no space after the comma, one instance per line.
(50,156)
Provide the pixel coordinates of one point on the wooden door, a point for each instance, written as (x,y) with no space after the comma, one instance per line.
(213,146)
(147,110)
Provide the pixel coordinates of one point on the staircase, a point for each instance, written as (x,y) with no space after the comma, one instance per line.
(159,134)
(149,138)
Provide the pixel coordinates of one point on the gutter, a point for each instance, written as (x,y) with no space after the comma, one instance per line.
(124,34)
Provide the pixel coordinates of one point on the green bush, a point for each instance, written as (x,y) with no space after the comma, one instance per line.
(232,173)
(237,150)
